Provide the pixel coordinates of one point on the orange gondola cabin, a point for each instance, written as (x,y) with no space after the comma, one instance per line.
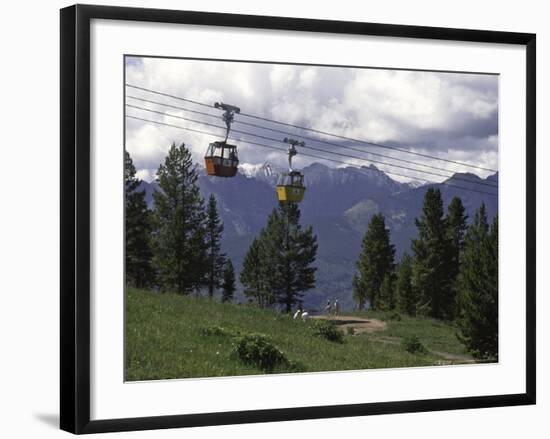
(221,159)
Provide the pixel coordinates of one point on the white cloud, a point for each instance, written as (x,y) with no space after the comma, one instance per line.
(146,174)
(442,114)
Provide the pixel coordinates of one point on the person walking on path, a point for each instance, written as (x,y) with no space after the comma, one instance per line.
(336,307)
(328,307)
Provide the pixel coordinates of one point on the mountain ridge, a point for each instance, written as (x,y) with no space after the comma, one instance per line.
(338,204)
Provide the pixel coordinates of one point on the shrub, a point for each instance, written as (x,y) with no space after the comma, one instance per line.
(217,331)
(256,350)
(328,331)
(413,345)
(350,330)
(395,316)
(295,366)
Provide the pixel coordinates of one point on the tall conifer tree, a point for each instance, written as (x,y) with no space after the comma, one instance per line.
(290,252)
(387,299)
(216,259)
(406,297)
(180,248)
(478,300)
(278,265)
(431,259)
(456,228)
(228,283)
(375,262)
(253,275)
(138,228)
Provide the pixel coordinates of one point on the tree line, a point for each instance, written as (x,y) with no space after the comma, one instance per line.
(176,246)
(451,275)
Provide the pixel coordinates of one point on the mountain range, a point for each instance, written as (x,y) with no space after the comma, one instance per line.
(338,204)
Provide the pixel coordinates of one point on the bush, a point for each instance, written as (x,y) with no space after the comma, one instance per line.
(328,331)
(395,316)
(350,330)
(256,350)
(413,345)
(217,331)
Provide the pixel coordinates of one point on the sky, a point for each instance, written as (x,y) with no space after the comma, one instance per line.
(443,114)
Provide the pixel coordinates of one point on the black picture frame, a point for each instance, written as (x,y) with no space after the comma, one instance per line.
(75,217)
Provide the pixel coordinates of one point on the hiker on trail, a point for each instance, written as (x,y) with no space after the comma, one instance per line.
(328,307)
(336,307)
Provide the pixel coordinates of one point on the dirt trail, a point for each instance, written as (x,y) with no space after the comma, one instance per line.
(362,325)
(358,324)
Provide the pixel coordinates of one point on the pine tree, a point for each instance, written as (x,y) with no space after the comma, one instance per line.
(228,284)
(290,252)
(431,259)
(250,276)
(405,294)
(456,228)
(278,265)
(180,248)
(253,275)
(478,300)
(358,292)
(138,228)
(387,293)
(375,261)
(216,259)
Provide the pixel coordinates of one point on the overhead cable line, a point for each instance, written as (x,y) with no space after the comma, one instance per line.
(311,155)
(246,133)
(492,184)
(325,133)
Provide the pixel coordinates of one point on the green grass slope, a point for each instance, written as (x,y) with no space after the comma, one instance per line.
(169,336)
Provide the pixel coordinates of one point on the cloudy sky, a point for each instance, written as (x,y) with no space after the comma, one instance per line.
(448,115)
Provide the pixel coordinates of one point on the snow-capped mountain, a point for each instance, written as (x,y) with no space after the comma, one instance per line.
(258,170)
(338,204)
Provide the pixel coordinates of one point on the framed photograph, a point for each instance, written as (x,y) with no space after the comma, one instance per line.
(274,218)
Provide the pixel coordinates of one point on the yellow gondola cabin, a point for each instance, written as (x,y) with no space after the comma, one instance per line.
(290,187)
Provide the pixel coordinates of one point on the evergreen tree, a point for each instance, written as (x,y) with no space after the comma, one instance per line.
(375,261)
(387,293)
(431,259)
(228,284)
(478,300)
(278,265)
(358,292)
(180,247)
(254,275)
(405,294)
(216,259)
(138,228)
(456,228)
(290,252)
(131,182)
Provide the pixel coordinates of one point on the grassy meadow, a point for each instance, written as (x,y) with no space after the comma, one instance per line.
(171,336)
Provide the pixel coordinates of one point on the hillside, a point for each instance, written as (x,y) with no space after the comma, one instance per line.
(170,336)
(338,204)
